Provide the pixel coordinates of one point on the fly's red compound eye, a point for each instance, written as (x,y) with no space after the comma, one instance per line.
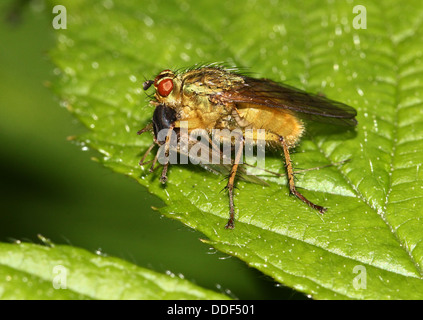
(161,75)
(165,87)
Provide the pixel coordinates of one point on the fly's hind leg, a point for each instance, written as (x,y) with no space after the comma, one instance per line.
(230,185)
(290,174)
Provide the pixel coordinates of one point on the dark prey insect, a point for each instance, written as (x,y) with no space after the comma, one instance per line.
(211,97)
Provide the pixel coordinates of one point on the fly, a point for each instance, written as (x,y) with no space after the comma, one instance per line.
(211,97)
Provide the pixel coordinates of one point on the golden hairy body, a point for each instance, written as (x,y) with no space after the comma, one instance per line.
(215,98)
(200,97)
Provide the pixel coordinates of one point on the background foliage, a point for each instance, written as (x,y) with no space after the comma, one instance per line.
(374,216)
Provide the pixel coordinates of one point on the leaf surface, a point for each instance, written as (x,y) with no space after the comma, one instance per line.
(31,271)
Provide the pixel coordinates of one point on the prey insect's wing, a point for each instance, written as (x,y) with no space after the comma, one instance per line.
(275,95)
(225,169)
(223,165)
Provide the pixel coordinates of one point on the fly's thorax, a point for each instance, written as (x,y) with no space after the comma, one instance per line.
(198,92)
(199,116)
(196,97)
(212,79)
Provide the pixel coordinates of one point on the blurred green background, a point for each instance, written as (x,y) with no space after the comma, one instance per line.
(50,186)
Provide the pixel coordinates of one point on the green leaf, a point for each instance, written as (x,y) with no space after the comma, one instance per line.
(30,271)
(368,244)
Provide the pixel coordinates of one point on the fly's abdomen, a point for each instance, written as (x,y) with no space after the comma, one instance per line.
(276,122)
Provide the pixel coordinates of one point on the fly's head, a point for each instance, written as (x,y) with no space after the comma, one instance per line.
(167,86)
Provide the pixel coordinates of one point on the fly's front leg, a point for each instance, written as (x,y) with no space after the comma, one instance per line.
(230,185)
(290,174)
(142,161)
(163,177)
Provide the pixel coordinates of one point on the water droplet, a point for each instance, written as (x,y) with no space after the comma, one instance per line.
(132,78)
(356,40)
(148,21)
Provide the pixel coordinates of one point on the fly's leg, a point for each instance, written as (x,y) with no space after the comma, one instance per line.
(290,173)
(142,161)
(163,177)
(149,127)
(153,164)
(230,185)
(154,161)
